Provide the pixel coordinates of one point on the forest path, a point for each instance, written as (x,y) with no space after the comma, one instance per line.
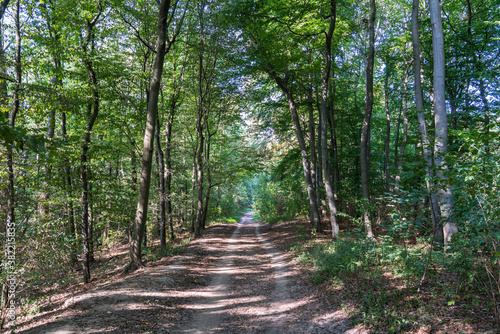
(248,290)
(232,280)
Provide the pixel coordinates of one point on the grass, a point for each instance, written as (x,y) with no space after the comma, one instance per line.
(379,283)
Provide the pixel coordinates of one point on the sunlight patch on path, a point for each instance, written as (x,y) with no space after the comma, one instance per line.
(216,296)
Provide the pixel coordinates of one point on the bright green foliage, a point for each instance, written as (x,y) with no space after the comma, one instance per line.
(279,201)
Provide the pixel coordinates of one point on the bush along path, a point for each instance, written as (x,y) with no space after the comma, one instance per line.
(232,280)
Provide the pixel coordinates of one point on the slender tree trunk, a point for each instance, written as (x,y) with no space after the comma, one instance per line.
(161,173)
(92,112)
(419,101)
(200,122)
(319,171)
(209,180)
(69,190)
(91,220)
(324,120)
(168,148)
(192,214)
(400,158)
(387,172)
(334,147)
(440,118)
(312,136)
(199,176)
(365,132)
(315,219)
(135,252)
(168,185)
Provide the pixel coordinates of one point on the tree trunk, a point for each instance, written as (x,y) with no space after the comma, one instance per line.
(312,137)
(209,186)
(69,190)
(161,172)
(324,121)
(405,128)
(135,252)
(199,176)
(440,118)
(365,132)
(200,122)
(387,172)
(92,112)
(168,149)
(333,139)
(168,185)
(419,102)
(315,219)
(192,215)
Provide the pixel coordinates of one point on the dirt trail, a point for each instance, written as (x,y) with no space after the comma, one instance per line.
(224,293)
(233,280)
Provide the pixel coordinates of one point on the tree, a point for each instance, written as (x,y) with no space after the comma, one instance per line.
(441,122)
(135,252)
(87,45)
(365,132)
(324,118)
(422,127)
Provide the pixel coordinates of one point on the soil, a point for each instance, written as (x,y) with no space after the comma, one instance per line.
(237,278)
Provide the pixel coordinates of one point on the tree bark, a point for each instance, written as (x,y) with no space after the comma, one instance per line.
(135,251)
(312,137)
(419,102)
(387,172)
(440,119)
(365,131)
(161,173)
(399,166)
(92,112)
(200,122)
(334,147)
(324,120)
(168,184)
(209,180)
(168,148)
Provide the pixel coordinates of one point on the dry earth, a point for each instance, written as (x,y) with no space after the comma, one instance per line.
(235,279)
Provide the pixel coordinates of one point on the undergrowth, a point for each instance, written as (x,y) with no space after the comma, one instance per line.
(386,279)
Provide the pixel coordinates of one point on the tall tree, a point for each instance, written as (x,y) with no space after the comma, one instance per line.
(422,127)
(441,122)
(87,45)
(332,17)
(365,132)
(135,252)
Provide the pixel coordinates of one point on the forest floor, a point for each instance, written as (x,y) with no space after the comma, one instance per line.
(236,278)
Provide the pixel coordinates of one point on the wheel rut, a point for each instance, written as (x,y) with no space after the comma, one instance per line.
(248,288)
